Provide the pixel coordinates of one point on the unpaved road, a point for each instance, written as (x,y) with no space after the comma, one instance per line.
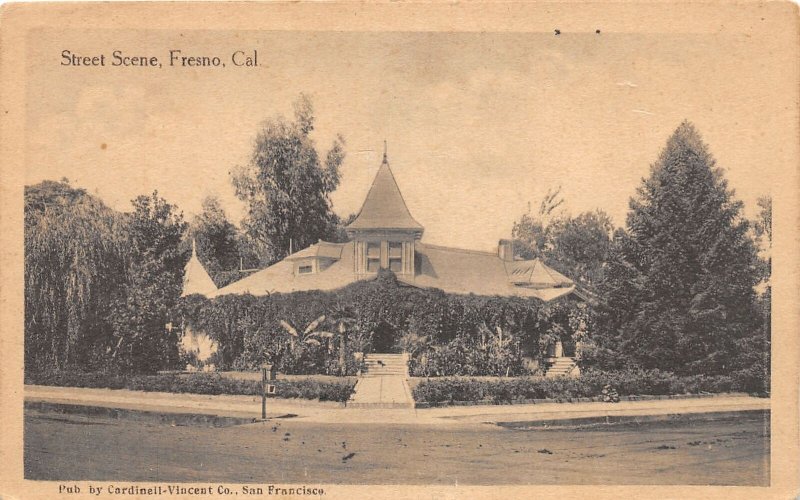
(730,451)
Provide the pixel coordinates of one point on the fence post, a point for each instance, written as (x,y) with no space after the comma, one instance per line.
(265,375)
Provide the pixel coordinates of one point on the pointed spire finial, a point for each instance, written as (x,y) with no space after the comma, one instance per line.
(194,248)
(385,159)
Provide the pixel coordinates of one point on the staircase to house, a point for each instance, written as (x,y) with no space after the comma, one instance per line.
(383,383)
(561,367)
(383,365)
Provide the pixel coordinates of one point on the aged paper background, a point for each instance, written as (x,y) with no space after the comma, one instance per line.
(764,36)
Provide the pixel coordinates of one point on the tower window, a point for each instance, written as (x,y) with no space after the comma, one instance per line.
(396,256)
(373,257)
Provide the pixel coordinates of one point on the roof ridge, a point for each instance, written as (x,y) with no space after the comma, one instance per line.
(462,250)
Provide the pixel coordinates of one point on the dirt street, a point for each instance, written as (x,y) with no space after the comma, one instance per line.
(731,451)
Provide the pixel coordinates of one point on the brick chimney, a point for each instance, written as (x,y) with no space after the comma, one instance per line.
(505,250)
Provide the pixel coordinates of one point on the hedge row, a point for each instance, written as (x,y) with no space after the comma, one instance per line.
(590,384)
(199,383)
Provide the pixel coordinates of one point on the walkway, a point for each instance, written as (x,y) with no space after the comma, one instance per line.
(377,392)
(327,412)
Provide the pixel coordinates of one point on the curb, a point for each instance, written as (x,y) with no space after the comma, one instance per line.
(626,419)
(176,419)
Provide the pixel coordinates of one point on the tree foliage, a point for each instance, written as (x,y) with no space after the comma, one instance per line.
(678,289)
(575,246)
(287,185)
(152,285)
(217,241)
(74,256)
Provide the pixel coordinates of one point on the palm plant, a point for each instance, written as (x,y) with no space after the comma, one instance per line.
(344,318)
(310,334)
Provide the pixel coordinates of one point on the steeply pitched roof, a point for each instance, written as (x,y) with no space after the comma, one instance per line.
(195,277)
(384,207)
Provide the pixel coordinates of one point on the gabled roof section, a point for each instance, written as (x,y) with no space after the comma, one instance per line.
(534,274)
(384,207)
(320,250)
(195,277)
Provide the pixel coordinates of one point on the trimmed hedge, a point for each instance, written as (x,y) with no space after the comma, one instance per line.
(200,383)
(590,384)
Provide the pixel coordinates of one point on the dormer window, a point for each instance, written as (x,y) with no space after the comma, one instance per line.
(305,269)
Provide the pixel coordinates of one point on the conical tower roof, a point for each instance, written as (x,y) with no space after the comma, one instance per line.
(384,207)
(195,277)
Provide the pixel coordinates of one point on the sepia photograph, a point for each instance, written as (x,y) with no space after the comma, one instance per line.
(295,253)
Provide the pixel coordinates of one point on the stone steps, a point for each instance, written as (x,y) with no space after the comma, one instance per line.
(561,367)
(382,365)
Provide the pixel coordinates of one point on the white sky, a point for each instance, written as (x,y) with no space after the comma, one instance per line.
(478,125)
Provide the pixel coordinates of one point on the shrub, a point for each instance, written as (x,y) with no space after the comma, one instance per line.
(248,332)
(199,383)
(590,384)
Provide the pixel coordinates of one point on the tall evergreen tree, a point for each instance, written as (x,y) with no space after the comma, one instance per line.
(679,289)
(287,186)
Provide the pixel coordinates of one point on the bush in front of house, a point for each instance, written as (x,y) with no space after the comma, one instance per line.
(590,384)
(201,383)
(445,334)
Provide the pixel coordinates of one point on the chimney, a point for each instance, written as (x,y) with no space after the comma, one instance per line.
(505,250)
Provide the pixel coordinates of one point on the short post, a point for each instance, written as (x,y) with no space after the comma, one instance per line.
(266,376)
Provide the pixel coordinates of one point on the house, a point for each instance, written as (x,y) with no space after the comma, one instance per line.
(385,235)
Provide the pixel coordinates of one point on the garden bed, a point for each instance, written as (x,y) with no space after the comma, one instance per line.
(336,389)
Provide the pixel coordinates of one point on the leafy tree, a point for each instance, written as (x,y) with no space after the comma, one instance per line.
(678,293)
(73,262)
(531,234)
(141,316)
(762,227)
(287,186)
(575,246)
(581,246)
(339,233)
(217,240)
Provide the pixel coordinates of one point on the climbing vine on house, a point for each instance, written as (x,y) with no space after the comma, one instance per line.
(444,334)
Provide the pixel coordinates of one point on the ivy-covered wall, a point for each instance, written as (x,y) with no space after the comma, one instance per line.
(445,334)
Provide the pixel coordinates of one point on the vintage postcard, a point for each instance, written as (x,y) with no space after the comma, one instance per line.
(399,250)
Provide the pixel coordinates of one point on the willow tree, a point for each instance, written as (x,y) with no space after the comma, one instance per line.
(74,258)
